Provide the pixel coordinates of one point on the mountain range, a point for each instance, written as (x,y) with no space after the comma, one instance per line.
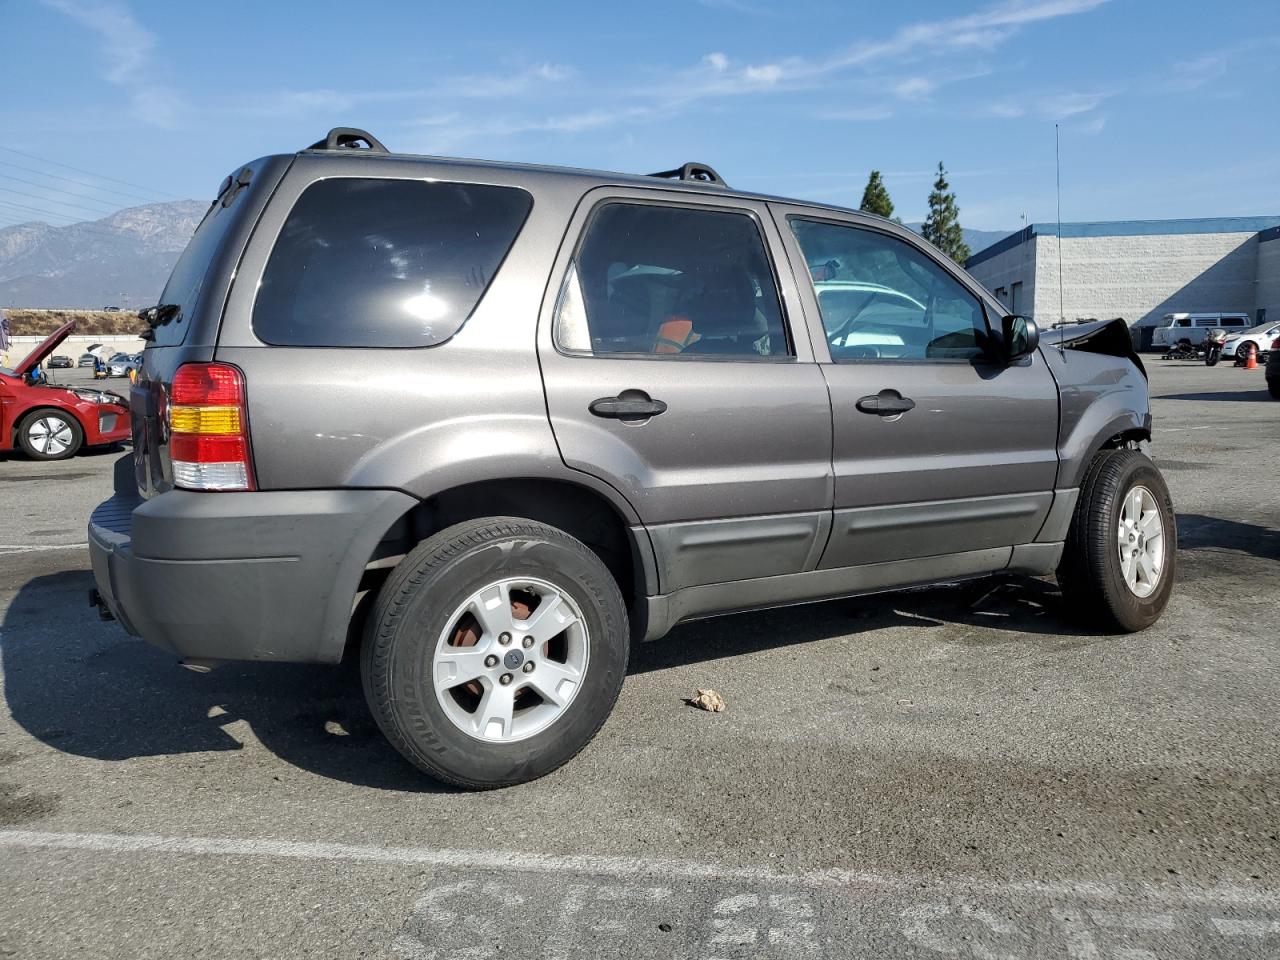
(120,261)
(123,260)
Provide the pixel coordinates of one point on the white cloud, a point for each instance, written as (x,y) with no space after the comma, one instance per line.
(766,75)
(914,88)
(716,75)
(126,48)
(1092,126)
(1049,106)
(1063,105)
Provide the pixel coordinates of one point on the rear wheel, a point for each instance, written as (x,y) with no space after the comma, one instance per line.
(50,435)
(495,652)
(1118,564)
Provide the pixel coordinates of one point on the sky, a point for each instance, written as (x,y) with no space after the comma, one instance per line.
(1165,109)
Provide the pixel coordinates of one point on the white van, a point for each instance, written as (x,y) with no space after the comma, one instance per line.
(1175,328)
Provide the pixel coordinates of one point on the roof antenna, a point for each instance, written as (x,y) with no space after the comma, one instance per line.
(1062,315)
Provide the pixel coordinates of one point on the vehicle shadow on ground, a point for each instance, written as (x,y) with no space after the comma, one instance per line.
(85,452)
(1198,532)
(88,689)
(1013,607)
(1249,396)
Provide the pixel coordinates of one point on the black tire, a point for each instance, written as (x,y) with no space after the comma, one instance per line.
(31,445)
(410,614)
(1274,387)
(1212,357)
(1093,586)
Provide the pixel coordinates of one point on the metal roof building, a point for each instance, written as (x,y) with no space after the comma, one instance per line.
(1137,269)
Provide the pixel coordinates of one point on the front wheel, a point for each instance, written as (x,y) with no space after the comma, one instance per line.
(50,435)
(1117,566)
(495,652)
(1213,355)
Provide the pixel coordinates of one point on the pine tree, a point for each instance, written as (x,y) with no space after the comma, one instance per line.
(875,198)
(942,226)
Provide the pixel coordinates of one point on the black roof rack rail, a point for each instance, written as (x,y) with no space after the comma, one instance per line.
(695,172)
(349,138)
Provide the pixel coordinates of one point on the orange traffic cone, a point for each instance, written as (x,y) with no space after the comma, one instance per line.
(1251,362)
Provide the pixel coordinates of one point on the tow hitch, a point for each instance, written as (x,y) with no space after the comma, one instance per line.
(95,600)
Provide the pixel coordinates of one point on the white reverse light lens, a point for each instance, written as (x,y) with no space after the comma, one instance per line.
(210,476)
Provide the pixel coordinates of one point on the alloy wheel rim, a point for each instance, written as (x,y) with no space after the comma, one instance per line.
(50,435)
(1140,542)
(511,659)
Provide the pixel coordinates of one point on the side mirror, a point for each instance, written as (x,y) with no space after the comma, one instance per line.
(1020,337)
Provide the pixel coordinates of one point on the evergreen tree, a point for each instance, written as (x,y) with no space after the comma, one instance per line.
(942,226)
(875,198)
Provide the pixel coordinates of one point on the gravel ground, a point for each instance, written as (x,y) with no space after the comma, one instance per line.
(955,771)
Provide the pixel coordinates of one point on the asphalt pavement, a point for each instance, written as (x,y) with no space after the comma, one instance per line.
(953,772)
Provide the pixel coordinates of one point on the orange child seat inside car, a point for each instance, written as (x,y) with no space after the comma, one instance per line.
(675,335)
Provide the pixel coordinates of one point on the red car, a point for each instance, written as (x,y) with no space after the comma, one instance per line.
(49,422)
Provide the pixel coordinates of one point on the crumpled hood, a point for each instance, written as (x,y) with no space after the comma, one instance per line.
(1078,332)
(40,353)
(1109,337)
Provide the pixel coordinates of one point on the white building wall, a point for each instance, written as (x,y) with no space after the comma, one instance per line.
(1267,289)
(1144,277)
(73,346)
(1001,272)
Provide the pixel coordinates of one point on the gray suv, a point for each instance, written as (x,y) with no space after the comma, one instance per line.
(490,423)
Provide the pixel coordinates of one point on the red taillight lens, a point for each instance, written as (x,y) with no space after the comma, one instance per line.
(207,384)
(197,449)
(208,428)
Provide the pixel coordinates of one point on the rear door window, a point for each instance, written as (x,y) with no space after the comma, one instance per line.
(672,282)
(385,263)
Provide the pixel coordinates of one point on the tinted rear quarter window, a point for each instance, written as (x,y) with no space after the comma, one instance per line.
(186,283)
(384,263)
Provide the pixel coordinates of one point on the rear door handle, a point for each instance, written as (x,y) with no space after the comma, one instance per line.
(628,405)
(886,403)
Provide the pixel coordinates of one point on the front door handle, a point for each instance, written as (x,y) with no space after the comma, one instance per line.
(886,403)
(628,405)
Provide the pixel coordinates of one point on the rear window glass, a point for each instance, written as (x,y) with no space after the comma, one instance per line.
(384,263)
(187,280)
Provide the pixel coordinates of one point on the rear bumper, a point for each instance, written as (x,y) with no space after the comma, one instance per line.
(239,576)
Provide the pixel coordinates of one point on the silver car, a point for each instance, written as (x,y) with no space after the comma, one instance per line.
(493,422)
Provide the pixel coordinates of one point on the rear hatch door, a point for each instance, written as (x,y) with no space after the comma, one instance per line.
(183,326)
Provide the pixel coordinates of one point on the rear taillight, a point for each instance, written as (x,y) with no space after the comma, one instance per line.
(209,428)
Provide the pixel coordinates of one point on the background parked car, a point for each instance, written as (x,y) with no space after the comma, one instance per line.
(86,360)
(1273,370)
(60,362)
(1260,337)
(49,422)
(120,363)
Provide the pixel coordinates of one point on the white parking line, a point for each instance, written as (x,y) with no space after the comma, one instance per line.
(498,860)
(31,547)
